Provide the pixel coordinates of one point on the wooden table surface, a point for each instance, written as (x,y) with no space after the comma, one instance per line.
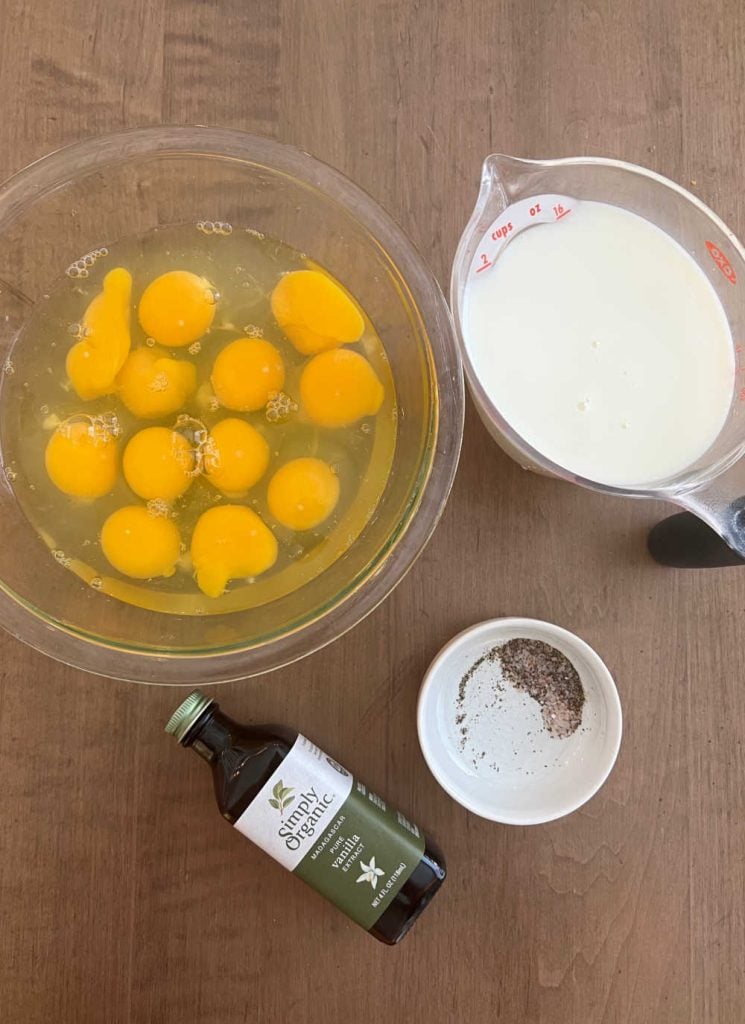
(125,898)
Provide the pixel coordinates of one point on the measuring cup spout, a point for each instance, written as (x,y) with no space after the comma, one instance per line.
(712,532)
(504,179)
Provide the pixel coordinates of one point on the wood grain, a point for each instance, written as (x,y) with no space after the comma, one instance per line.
(125,899)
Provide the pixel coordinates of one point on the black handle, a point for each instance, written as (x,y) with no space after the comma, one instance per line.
(686,542)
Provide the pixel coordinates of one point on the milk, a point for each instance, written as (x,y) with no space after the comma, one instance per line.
(603,345)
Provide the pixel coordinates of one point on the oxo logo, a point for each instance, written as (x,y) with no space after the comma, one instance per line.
(722,262)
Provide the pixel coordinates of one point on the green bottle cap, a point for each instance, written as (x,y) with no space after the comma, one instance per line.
(187,713)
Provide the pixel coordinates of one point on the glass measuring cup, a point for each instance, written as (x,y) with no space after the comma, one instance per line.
(516,194)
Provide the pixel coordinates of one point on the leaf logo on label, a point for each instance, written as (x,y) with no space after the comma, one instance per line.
(283,797)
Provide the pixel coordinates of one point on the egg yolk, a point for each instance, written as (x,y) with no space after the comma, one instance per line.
(338,388)
(230,542)
(139,544)
(303,493)
(94,362)
(81,460)
(158,463)
(151,385)
(177,308)
(236,457)
(314,312)
(246,373)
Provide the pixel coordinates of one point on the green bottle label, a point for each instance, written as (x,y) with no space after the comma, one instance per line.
(318,822)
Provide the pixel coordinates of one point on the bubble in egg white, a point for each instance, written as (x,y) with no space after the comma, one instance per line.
(279,407)
(158,508)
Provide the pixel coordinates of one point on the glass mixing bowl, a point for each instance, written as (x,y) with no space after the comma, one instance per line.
(89,195)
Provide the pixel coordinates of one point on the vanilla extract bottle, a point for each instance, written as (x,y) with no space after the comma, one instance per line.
(302,808)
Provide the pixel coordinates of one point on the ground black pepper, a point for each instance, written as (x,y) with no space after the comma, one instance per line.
(490,657)
(539,670)
(549,677)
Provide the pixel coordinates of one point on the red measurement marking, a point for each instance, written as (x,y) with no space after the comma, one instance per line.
(502,231)
(722,262)
(742,395)
(485,263)
(561,211)
(535,209)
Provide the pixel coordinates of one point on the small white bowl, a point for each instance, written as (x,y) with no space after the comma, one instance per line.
(498,760)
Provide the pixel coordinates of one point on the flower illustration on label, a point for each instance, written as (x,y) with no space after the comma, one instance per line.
(283,797)
(370,873)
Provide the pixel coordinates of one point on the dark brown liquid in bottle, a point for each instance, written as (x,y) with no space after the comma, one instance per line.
(243,757)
